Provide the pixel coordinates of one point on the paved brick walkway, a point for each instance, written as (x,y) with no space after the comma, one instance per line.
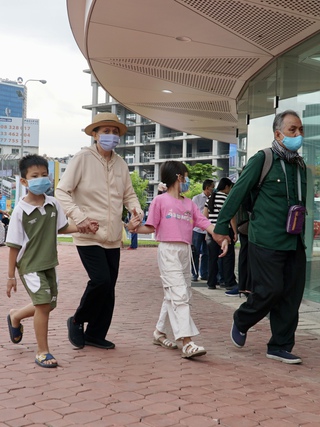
(142,385)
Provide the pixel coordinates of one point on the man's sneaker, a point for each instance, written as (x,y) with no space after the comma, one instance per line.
(238,338)
(283,356)
(212,287)
(222,285)
(98,342)
(75,333)
(233,292)
(194,279)
(230,288)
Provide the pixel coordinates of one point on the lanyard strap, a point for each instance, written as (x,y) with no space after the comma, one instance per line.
(298,181)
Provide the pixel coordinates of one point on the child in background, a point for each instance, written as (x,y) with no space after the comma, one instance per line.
(173,218)
(32,239)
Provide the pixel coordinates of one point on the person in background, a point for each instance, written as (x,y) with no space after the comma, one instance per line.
(133,236)
(134,241)
(32,239)
(211,210)
(199,244)
(173,217)
(276,251)
(97,184)
(4,218)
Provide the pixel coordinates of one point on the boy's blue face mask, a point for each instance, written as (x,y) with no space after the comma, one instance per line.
(39,186)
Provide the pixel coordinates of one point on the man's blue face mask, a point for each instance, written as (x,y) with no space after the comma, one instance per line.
(292,143)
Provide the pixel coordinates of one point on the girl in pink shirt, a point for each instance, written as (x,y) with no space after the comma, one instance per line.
(172,217)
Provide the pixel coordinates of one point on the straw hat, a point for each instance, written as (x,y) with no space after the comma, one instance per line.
(106,119)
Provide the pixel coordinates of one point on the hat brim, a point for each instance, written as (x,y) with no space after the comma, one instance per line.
(122,128)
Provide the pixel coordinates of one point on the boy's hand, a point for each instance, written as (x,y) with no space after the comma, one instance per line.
(11,284)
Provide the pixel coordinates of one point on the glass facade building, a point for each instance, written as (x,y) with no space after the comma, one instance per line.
(290,82)
(10,102)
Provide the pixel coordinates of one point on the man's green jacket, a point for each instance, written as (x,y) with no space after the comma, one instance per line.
(267,226)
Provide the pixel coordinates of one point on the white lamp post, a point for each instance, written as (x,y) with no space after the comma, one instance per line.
(23,96)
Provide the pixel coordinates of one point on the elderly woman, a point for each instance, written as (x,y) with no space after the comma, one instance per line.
(95,186)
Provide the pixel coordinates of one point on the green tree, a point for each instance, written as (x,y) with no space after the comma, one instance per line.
(140,187)
(197,174)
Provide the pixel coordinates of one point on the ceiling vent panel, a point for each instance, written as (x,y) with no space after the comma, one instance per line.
(303,7)
(231,67)
(267,28)
(213,75)
(196,130)
(217,106)
(203,114)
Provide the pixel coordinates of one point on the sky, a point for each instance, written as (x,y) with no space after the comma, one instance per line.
(37,43)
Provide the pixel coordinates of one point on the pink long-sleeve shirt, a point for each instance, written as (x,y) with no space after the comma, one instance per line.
(174,219)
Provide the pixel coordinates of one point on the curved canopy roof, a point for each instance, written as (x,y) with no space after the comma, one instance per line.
(203,51)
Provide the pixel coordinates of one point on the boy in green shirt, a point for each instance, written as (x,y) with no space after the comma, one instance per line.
(32,239)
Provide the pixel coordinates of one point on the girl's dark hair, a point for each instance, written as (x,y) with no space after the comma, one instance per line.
(223,183)
(169,171)
(31,160)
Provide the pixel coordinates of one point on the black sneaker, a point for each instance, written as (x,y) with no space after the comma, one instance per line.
(233,292)
(75,333)
(222,285)
(194,279)
(211,287)
(98,342)
(238,338)
(283,356)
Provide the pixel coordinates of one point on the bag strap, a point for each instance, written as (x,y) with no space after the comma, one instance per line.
(298,183)
(268,160)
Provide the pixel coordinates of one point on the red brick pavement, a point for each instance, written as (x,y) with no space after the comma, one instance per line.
(141,385)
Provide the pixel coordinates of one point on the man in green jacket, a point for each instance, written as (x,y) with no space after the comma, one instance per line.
(277,259)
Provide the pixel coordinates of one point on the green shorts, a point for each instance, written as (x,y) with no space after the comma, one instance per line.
(42,286)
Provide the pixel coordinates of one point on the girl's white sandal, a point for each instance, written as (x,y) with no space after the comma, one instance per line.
(165,342)
(192,350)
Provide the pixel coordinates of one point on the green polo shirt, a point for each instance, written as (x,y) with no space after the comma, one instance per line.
(267,226)
(33,230)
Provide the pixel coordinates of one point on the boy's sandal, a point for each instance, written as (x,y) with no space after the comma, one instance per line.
(192,350)
(41,360)
(161,339)
(16,334)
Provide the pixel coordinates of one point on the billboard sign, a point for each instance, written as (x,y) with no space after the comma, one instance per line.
(10,132)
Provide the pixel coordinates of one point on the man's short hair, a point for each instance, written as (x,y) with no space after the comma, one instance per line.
(278,120)
(207,183)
